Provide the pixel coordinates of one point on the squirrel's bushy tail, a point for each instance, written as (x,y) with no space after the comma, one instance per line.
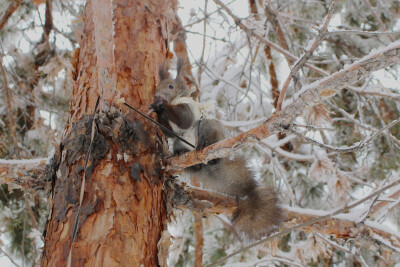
(258,214)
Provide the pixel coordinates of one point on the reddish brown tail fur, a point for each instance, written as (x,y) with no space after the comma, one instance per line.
(258,214)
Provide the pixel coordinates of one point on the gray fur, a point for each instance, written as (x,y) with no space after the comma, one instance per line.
(258,211)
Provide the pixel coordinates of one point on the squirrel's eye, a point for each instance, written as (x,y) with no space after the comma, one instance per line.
(170,86)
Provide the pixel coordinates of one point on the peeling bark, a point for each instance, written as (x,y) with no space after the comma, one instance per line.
(123,211)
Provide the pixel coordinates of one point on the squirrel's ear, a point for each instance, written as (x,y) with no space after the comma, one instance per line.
(163,71)
(180,68)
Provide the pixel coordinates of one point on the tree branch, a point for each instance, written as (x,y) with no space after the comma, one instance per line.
(10,10)
(9,257)
(304,219)
(307,97)
(328,224)
(368,4)
(286,53)
(339,227)
(300,63)
(8,98)
(272,17)
(198,231)
(23,174)
(345,149)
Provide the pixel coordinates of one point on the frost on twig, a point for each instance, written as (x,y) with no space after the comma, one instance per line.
(340,223)
(23,174)
(309,96)
(308,53)
(343,223)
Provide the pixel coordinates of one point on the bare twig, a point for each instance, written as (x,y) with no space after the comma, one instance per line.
(204,43)
(272,75)
(10,111)
(286,53)
(313,128)
(372,91)
(9,257)
(272,17)
(300,63)
(28,208)
(368,4)
(361,32)
(349,117)
(160,125)
(198,230)
(382,204)
(10,10)
(24,174)
(347,149)
(307,97)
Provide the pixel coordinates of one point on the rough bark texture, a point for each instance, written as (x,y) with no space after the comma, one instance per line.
(123,211)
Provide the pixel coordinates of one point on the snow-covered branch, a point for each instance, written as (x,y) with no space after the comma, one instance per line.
(263,40)
(339,223)
(7,14)
(339,227)
(347,222)
(307,97)
(308,53)
(23,174)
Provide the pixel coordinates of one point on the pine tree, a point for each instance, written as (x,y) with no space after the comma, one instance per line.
(309,91)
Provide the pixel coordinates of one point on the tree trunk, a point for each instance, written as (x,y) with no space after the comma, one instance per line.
(123,213)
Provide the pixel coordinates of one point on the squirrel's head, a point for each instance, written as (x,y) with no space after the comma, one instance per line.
(169,89)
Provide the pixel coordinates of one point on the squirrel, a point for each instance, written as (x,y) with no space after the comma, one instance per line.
(258,212)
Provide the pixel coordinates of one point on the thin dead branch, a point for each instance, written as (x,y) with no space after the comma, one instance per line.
(198,230)
(272,17)
(250,32)
(300,63)
(368,4)
(10,10)
(307,97)
(272,75)
(352,148)
(327,224)
(9,257)
(23,174)
(10,111)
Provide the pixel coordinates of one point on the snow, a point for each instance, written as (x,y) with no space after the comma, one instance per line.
(385,242)
(316,84)
(243,123)
(23,161)
(382,227)
(306,211)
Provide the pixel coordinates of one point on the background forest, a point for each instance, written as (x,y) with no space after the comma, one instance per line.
(243,55)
